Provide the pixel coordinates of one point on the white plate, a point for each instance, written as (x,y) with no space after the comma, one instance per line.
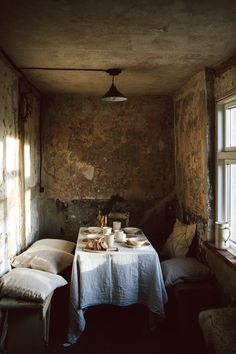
(92,236)
(121,241)
(131,230)
(136,239)
(94,229)
(114,249)
(140,245)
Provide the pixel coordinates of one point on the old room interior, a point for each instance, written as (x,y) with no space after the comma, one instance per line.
(117,176)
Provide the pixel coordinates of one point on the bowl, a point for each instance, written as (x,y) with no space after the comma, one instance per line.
(131,230)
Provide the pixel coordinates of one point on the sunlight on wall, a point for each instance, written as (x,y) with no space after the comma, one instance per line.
(2,224)
(4,259)
(13,226)
(12,154)
(1,163)
(13,195)
(19,161)
(27,164)
(27,160)
(28,215)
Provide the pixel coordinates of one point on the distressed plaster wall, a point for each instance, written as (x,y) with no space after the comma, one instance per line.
(225,83)
(225,275)
(93,151)
(195,158)
(194,136)
(19,222)
(31,136)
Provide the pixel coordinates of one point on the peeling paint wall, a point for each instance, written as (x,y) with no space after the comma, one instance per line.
(94,150)
(225,84)
(194,133)
(19,222)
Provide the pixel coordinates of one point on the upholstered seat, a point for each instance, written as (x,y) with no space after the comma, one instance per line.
(218,327)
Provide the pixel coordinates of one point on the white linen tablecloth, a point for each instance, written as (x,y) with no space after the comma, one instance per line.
(129,276)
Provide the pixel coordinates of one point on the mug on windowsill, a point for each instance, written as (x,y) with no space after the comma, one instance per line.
(222,235)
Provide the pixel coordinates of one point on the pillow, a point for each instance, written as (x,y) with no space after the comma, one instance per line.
(179,241)
(48,243)
(177,270)
(29,284)
(51,260)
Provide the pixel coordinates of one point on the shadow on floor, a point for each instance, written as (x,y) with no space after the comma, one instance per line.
(115,330)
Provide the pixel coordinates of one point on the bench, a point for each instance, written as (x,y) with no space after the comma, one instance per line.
(28,325)
(186,301)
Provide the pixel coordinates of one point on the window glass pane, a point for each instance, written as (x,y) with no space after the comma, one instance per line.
(232,203)
(231,127)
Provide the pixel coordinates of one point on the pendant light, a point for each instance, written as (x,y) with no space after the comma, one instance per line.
(113,95)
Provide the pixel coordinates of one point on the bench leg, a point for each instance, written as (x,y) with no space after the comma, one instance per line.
(27,332)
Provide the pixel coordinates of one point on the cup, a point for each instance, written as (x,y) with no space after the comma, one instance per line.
(109,238)
(106,230)
(222,235)
(116,225)
(120,235)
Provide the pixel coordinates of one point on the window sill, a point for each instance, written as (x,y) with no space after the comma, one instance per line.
(226,256)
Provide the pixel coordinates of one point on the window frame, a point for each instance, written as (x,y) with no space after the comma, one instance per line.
(225,156)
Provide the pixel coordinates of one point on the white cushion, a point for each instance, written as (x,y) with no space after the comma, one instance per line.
(48,243)
(49,260)
(181,269)
(29,284)
(179,241)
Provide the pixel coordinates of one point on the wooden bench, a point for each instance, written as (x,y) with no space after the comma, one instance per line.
(28,325)
(186,301)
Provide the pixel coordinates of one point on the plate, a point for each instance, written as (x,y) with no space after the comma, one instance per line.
(137,240)
(138,245)
(131,230)
(92,236)
(114,249)
(121,241)
(94,229)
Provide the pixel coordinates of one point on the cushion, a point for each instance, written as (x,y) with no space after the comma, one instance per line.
(218,328)
(48,243)
(49,260)
(181,269)
(180,240)
(29,284)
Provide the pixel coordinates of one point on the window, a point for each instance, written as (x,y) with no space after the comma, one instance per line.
(226,165)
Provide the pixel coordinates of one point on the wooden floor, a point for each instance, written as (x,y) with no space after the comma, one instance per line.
(113,330)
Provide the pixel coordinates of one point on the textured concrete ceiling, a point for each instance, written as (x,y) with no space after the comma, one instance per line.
(159,44)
